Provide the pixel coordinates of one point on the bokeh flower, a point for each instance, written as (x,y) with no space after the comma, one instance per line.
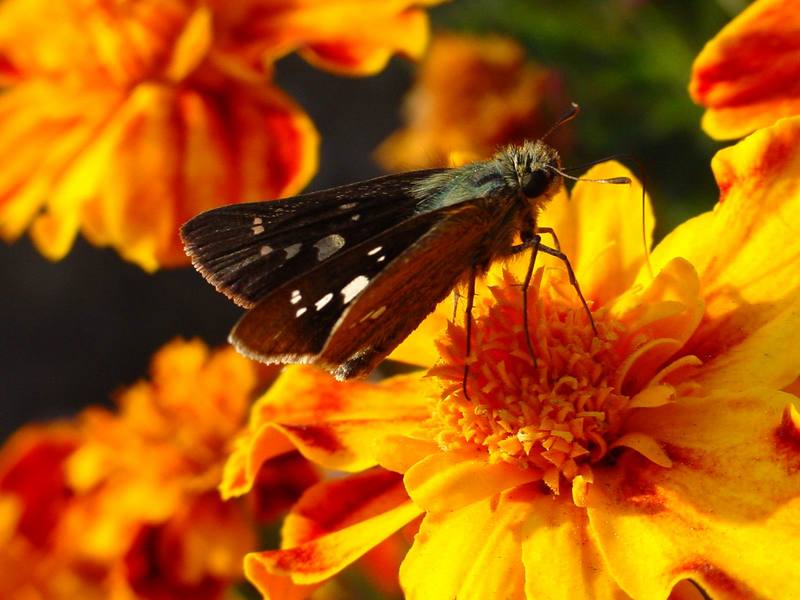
(622,463)
(746,76)
(124,504)
(123,120)
(472,95)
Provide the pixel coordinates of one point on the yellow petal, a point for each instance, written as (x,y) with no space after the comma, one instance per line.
(600,230)
(469,553)
(448,480)
(419,348)
(725,514)
(559,553)
(746,253)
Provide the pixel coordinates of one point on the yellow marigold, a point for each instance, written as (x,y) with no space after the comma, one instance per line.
(472,95)
(746,76)
(124,504)
(621,463)
(122,120)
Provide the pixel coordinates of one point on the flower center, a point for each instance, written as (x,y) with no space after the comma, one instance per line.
(559,413)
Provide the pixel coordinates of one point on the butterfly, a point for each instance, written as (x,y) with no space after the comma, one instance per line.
(339,277)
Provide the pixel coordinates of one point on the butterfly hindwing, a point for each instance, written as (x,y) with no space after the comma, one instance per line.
(248,250)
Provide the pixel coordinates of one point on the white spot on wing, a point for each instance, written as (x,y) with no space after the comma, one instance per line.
(265,250)
(328,245)
(348,206)
(296,297)
(258,229)
(257,221)
(381,258)
(322,302)
(355,217)
(354,288)
(291,251)
(300,311)
(375,250)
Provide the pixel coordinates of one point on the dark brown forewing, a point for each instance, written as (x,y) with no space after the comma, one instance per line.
(293,322)
(396,301)
(248,250)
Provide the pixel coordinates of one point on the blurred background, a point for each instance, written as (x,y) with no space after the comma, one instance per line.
(77,330)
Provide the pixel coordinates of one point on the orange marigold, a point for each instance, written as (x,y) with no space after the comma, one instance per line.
(621,463)
(747,76)
(472,95)
(124,505)
(122,120)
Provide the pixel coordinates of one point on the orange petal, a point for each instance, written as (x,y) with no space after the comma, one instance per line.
(353,38)
(600,230)
(399,453)
(746,254)
(469,553)
(332,525)
(338,425)
(741,75)
(449,480)
(559,553)
(105,41)
(725,514)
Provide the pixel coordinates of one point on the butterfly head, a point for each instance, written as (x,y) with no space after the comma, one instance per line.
(533,168)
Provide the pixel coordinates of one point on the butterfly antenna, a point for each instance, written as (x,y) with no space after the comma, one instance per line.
(643,176)
(612,180)
(570,114)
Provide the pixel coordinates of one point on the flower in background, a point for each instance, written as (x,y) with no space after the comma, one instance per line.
(746,76)
(124,504)
(665,447)
(123,120)
(472,95)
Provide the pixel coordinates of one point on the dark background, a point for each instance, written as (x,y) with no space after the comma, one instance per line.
(77,330)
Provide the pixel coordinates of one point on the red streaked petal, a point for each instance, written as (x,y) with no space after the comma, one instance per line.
(332,525)
(725,513)
(746,75)
(338,425)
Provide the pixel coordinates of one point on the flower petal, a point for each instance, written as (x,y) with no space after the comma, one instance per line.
(605,249)
(332,525)
(746,254)
(559,553)
(741,75)
(354,38)
(449,480)
(338,425)
(469,553)
(725,513)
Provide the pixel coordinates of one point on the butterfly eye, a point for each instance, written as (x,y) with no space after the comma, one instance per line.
(535,183)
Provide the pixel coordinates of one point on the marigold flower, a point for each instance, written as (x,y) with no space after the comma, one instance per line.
(472,95)
(123,120)
(622,463)
(745,75)
(124,505)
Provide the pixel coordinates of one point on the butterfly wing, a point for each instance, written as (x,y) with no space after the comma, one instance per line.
(248,250)
(348,315)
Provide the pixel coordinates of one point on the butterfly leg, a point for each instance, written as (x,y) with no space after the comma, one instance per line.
(456,298)
(572,279)
(532,241)
(549,231)
(468,328)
